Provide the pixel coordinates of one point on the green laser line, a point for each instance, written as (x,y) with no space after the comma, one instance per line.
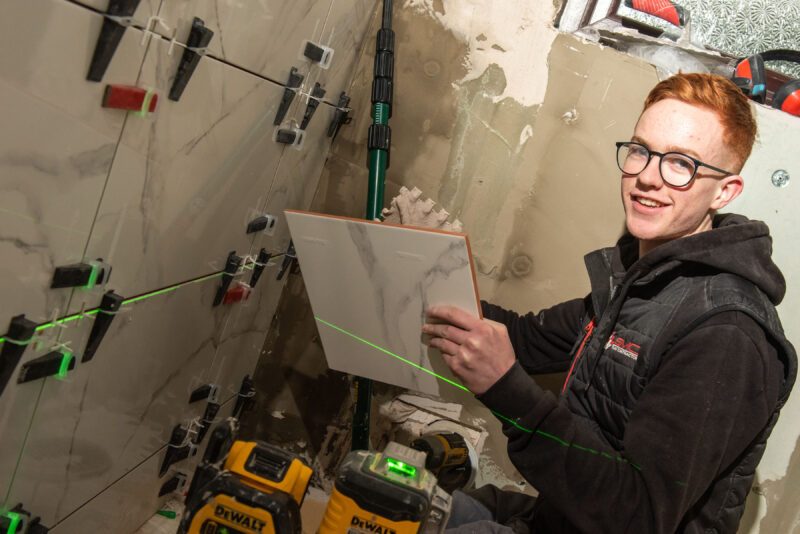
(501,416)
(68,318)
(51,324)
(456,384)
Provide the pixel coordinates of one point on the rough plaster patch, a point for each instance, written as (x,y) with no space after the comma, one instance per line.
(521,33)
(525,134)
(570,117)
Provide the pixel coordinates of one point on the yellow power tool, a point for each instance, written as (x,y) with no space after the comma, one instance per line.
(258,489)
(385,493)
(253,487)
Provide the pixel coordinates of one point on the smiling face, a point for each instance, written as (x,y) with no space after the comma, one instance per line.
(656,212)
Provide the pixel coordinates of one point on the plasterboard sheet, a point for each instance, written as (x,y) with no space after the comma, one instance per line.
(369,284)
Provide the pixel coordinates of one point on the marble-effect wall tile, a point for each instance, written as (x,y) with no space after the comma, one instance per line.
(189,177)
(268,38)
(56,148)
(121,406)
(374,282)
(144,10)
(19,401)
(265,37)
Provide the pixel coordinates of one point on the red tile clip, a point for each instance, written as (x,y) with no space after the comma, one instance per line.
(237,294)
(130,98)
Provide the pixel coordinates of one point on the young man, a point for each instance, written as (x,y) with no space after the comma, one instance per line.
(677,363)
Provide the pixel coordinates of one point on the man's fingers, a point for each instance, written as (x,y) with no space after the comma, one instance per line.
(447,348)
(446,331)
(454,316)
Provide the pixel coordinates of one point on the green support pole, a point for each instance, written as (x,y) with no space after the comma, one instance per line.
(378,143)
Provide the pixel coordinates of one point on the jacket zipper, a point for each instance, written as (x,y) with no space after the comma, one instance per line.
(589,328)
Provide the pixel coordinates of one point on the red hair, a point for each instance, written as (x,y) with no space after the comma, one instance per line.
(721,96)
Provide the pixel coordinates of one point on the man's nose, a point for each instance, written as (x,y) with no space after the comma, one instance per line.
(651,175)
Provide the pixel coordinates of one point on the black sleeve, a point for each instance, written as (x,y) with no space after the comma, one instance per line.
(713,394)
(542,342)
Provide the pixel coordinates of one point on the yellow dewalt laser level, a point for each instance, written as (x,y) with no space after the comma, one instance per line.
(385,493)
(258,490)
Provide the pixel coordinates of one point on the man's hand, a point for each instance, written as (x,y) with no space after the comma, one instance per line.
(478,351)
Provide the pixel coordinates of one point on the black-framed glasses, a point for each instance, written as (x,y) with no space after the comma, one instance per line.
(677,169)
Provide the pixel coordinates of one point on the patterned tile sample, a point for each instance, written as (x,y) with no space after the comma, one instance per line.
(369,285)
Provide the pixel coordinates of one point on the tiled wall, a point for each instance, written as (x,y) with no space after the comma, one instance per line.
(163,198)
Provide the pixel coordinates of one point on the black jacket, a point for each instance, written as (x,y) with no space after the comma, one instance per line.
(622,458)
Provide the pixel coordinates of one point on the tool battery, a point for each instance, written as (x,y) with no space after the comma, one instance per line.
(384,493)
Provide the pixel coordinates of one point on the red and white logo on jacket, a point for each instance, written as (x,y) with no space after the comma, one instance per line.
(629,349)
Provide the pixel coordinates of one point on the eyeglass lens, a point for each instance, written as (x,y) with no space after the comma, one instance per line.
(676,169)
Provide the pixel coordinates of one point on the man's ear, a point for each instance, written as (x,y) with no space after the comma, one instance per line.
(729,188)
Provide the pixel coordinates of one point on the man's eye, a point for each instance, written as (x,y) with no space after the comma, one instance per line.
(637,151)
(681,163)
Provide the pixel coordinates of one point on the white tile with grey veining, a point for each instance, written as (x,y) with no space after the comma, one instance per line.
(122,507)
(269,37)
(369,285)
(345,32)
(143,12)
(19,401)
(189,177)
(120,407)
(265,37)
(245,330)
(295,182)
(56,148)
(132,500)
(298,174)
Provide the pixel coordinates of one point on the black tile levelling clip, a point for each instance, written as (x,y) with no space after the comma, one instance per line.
(199,38)
(245,399)
(291,136)
(288,95)
(288,258)
(18,520)
(109,306)
(260,263)
(341,116)
(318,53)
(212,409)
(179,448)
(177,482)
(20,334)
(87,275)
(110,35)
(316,94)
(57,363)
(232,265)
(204,392)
